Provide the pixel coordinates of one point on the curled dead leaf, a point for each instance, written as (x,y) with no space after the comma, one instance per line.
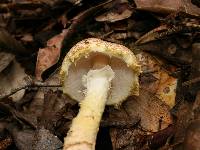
(49,55)
(152,35)
(119,11)
(168,6)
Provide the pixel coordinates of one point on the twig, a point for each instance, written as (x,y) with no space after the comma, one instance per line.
(29,85)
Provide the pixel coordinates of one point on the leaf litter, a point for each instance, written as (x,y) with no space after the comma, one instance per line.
(36,35)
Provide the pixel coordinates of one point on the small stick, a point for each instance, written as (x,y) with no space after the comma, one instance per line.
(28,85)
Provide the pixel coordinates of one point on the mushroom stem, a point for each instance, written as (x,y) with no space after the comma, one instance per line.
(84,128)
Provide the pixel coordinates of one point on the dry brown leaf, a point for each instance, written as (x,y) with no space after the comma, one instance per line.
(49,55)
(192,138)
(45,140)
(163,6)
(126,139)
(153,112)
(134,138)
(157,81)
(152,35)
(11,44)
(168,49)
(120,11)
(46,103)
(5,60)
(40,139)
(11,78)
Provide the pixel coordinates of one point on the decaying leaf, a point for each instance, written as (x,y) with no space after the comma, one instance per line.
(188,124)
(152,35)
(184,117)
(156,79)
(192,141)
(168,6)
(5,60)
(133,138)
(168,49)
(7,42)
(42,117)
(45,106)
(126,139)
(118,12)
(35,139)
(195,70)
(11,78)
(5,141)
(45,117)
(44,140)
(119,118)
(49,55)
(20,136)
(153,112)
(164,31)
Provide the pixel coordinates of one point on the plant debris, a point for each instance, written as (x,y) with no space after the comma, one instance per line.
(165,37)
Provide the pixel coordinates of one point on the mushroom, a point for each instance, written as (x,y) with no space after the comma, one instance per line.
(96,73)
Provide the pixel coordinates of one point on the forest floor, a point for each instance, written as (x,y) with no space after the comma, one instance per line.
(35,36)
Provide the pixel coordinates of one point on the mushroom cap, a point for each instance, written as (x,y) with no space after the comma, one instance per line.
(78,62)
